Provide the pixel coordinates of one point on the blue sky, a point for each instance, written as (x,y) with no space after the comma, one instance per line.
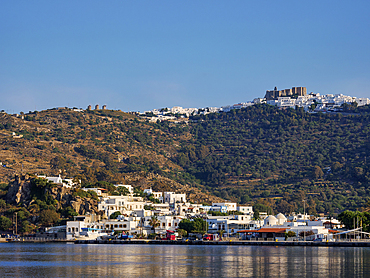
(140,55)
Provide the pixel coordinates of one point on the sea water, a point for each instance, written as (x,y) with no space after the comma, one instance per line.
(130,260)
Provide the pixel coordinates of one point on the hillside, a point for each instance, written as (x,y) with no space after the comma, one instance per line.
(258,155)
(282,157)
(93,146)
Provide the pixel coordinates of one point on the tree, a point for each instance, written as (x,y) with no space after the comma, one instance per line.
(114,215)
(26,227)
(186,225)
(2,204)
(154,222)
(221,233)
(57,163)
(256,215)
(5,223)
(68,212)
(284,207)
(317,172)
(49,217)
(346,217)
(290,234)
(153,200)
(182,232)
(200,226)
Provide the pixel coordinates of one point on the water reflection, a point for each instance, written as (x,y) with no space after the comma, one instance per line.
(68,260)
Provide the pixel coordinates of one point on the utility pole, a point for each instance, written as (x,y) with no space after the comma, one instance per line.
(354,228)
(16,222)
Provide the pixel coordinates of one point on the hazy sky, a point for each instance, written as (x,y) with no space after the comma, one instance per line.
(140,55)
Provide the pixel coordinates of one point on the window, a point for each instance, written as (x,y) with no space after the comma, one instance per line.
(69,230)
(169,224)
(164,225)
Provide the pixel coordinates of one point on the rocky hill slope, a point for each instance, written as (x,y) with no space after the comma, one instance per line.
(259,155)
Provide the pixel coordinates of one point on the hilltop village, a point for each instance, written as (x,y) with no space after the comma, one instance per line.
(165,213)
(286,98)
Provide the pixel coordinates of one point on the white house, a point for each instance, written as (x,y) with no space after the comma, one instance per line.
(245,209)
(229,206)
(156,195)
(166,222)
(230,223)
(98,191)
(58,180)
(123,204)
(172,197)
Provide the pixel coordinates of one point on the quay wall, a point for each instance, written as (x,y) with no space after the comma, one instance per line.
(237,242)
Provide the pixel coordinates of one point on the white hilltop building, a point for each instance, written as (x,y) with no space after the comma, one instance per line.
(68,183)
(324,102)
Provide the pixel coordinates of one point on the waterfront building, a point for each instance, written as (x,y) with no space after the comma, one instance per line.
(230,223)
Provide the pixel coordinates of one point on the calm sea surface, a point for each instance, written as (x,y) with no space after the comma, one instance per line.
(69,260)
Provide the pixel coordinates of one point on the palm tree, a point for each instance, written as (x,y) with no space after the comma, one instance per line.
(221,232)
(154,222)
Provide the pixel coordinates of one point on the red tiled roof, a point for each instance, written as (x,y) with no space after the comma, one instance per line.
(333,231)
(272,230)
